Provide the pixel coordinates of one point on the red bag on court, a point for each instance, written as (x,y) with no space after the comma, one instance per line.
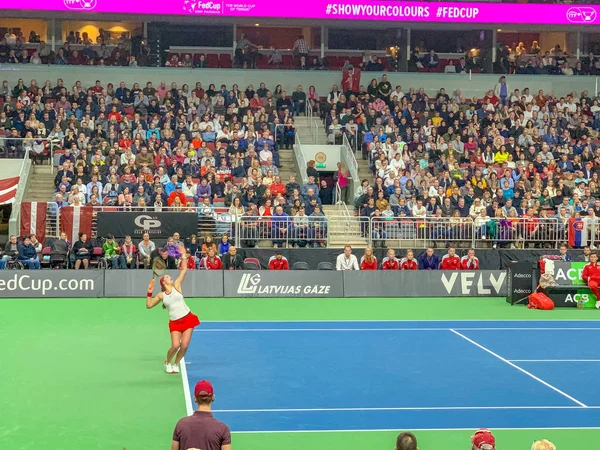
(539,300)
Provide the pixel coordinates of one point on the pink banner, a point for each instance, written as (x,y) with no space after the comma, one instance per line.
(338,9)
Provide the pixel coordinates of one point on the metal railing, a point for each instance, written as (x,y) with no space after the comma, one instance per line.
(249,231)
(300,159)
(39,150)
(282,231)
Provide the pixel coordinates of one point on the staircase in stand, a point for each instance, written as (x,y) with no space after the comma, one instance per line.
(40,186)
(344,229)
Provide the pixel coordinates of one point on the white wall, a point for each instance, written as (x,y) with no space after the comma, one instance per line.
(10,168)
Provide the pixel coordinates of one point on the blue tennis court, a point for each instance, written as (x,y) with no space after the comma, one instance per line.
(318,376)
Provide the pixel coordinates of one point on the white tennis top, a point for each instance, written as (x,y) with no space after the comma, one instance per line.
(175,304)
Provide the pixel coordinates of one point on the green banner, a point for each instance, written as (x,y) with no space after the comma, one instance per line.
(569,274)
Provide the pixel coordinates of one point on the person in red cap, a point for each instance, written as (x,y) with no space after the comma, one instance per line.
(483,439)
(182,320)
(201,430)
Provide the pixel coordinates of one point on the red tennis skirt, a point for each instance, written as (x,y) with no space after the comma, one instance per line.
(185,323)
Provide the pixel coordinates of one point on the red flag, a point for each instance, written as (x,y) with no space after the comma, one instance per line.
(8,190)
(33,219)
(74,219)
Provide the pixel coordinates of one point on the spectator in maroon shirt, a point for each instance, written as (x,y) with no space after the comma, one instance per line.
(201,430)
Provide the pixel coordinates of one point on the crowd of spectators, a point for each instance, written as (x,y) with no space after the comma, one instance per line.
(512,158)
(170,147)
(77,49)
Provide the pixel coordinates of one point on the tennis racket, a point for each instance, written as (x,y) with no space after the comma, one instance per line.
(158,267)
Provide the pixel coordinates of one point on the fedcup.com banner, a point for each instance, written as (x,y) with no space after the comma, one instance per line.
(323,9)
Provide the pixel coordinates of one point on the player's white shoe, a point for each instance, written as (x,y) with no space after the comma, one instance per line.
(597,304)
(175,368)
(168,367)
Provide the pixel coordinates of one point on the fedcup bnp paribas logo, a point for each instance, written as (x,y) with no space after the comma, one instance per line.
(82,5)
(206,7)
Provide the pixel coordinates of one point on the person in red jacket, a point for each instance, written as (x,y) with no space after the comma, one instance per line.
(278,262)
(277,187)
(591,276)
(211,261)
(469,261)
(390,262)
(368,260)
(177,193)
(450,261)
(409,262)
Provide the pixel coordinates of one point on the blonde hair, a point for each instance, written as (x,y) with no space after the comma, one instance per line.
(544,444)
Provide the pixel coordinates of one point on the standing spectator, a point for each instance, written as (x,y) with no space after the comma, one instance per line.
(406,441)
(428,260)
(232,260)
(201,429)
(368,260)
(300,49)
(28,255)
(469,261)
(409,262)
(390,262)
(278,262)
(450,261)
(347,261)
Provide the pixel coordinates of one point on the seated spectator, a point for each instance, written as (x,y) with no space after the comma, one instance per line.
(163,253)
(28,255)
(83,250)
(211,261)
(469,261)
(129,252)
(59,251)
(431,60)
(450,261)
(428,260)
(232,260)
(347,261)
(390,262)
(409,262)
(112,253)
(146,247)
(278,262)
(368,260)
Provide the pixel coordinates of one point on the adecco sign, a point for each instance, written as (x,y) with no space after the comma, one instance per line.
(283,284)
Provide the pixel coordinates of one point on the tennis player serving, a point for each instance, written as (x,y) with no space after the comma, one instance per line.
(182,321)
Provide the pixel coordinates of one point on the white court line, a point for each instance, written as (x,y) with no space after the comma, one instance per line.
(412,429)
(281,330)
(555,360)
(400,320)
(519,368)
(189,409)
(426,408)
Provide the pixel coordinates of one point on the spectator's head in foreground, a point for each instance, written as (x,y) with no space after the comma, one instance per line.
(204,395)
(483,439)
(543,445)
(406,441)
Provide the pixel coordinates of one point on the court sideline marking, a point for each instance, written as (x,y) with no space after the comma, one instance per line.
(189,408)
(564,394)
(413,429)
(282,330)
(408,408)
